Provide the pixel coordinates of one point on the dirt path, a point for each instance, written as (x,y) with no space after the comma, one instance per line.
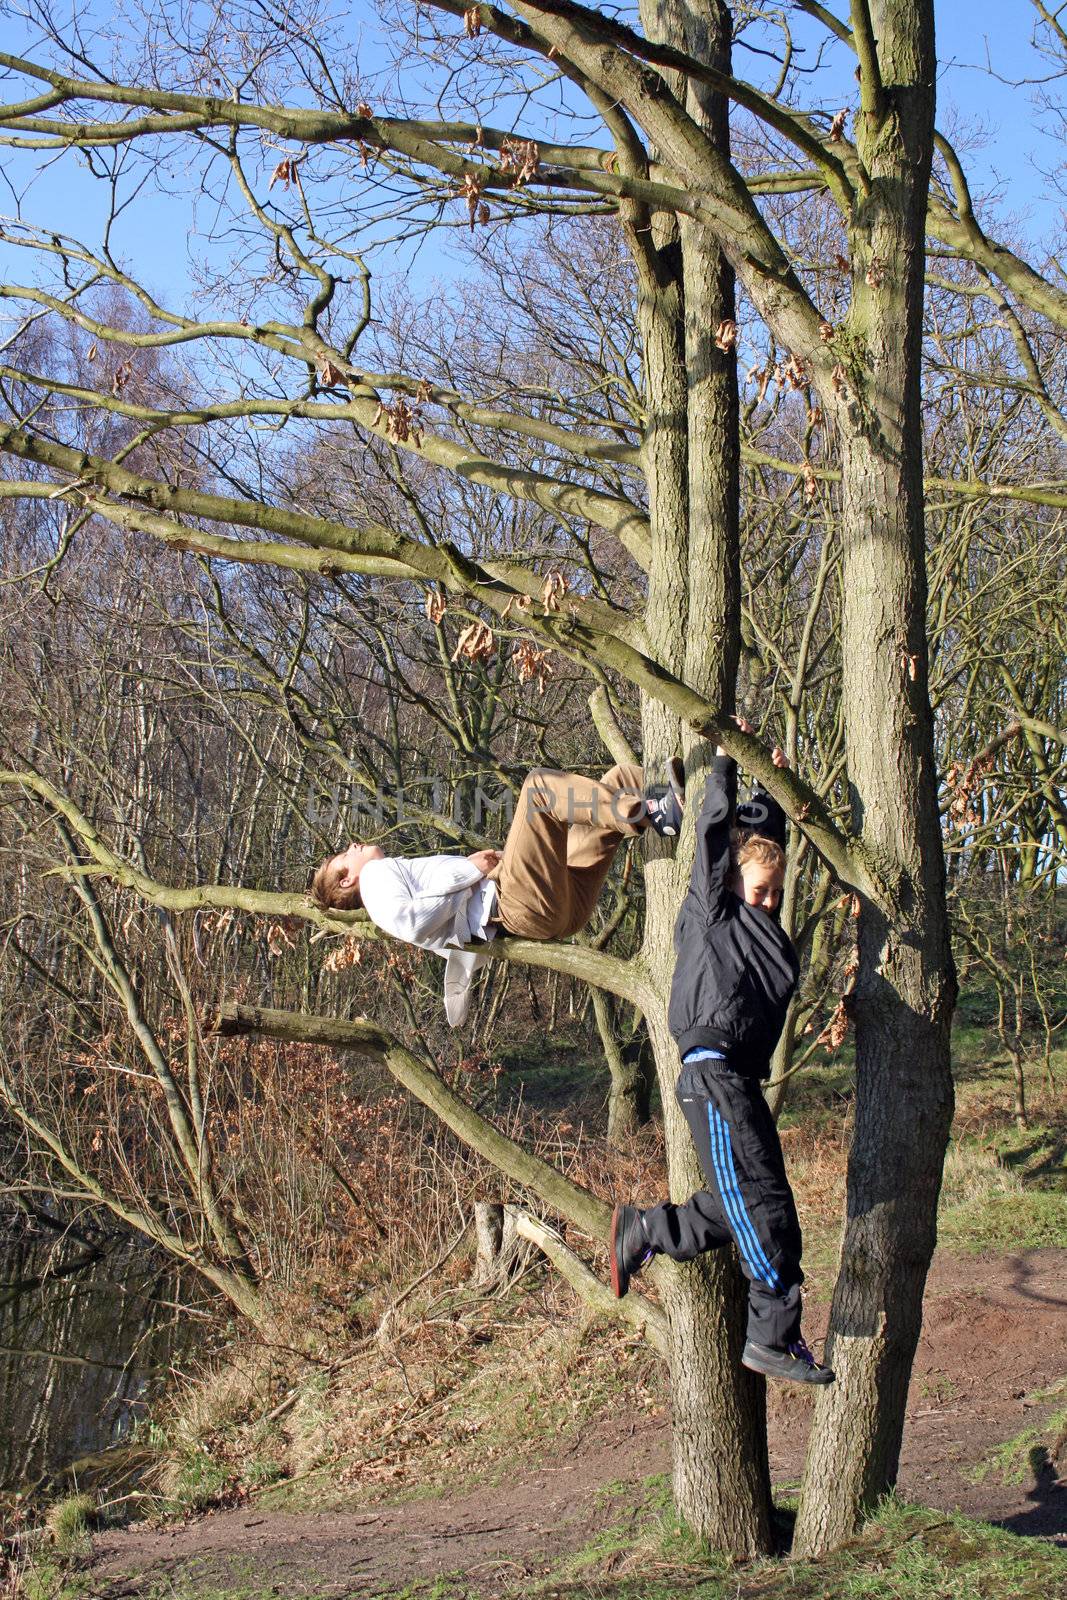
(995,1333)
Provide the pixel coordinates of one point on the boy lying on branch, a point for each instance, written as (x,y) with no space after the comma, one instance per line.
(544,885)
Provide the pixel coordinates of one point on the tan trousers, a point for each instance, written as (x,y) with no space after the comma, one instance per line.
(560,847)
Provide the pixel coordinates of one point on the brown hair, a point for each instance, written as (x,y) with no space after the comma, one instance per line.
(323,889)
(756,847)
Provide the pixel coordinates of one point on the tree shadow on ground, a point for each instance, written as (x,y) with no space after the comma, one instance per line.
(1047,1517)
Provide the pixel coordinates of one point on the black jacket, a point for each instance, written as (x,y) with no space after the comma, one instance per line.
(736,969)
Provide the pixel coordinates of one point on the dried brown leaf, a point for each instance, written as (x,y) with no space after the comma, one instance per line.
(532,664)
(836,1030)
(521,159)
(476,643)
(555,587)
(284,173)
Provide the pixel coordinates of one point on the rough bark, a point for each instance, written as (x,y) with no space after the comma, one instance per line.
(719,1450)
(905,990)
(631,1085)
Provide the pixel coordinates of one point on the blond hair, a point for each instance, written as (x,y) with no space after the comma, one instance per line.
(745,847)
(325,892)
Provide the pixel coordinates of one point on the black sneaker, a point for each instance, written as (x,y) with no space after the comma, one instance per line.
(628,1247)
(666,801)
(795,1363)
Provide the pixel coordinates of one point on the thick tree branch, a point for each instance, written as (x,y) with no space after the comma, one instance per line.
(625,978)
(574,633)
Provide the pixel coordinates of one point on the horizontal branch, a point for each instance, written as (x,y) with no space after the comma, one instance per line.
(969,488)
(575,631)
(625,978)
(597,23)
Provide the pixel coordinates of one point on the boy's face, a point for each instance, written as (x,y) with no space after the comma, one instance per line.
(347,865)
(760,885)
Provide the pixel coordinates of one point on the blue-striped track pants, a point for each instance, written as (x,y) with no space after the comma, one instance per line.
(748,1198)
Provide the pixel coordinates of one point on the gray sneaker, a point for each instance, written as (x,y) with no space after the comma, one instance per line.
(795,1363)
(666,801)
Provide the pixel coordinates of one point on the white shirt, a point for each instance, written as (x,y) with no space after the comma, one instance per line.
(439,903)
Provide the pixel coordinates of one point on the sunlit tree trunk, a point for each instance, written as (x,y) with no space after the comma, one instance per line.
(905,990)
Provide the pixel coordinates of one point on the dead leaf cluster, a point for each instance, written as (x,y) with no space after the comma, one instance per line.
(532,664)
(330,374)
(470,190)
(476,643)
(402,420)
(794,374)
(284,173)
(875,273)
(964,782)
(521,159)
(835,1032)
(348,954)
(279,938)
(726,334)
(555,587)
(436,605)
(791,374)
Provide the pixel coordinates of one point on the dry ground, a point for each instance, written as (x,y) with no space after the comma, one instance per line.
(995,1339)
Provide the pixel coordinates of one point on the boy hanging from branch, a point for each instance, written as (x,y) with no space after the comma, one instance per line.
(544,885)
(736,970)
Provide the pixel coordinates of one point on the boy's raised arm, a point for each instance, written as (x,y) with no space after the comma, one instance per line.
(710,879)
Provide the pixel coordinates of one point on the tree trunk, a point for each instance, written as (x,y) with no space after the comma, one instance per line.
(631,1083)
(905,989)
(719,1448)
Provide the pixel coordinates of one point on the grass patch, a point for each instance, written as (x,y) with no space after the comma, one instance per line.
(904,1553)
(243,1579)
(513,1410)
(68,1525)
(986,1205)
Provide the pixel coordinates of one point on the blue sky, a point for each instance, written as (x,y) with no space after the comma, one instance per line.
(1009,145)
